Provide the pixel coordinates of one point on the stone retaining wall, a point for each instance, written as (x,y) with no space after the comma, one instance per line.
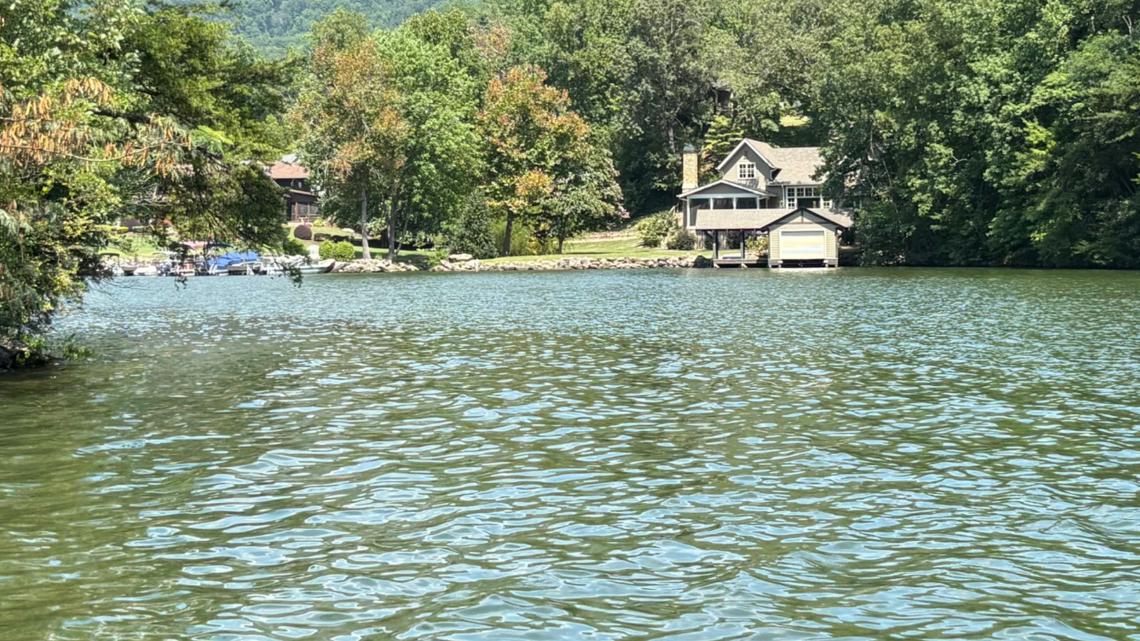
(464,263)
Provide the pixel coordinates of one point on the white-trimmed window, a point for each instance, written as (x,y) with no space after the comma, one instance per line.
(802,196)
(746,170)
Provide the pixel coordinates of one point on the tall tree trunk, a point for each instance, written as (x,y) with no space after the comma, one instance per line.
(560,239)
(364,224)
(392,230)
(507,235)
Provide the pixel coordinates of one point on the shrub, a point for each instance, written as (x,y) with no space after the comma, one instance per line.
(681,239)
(294,247)
(303,232)
(656,228)
(340,252)
(471,232)
(757,245)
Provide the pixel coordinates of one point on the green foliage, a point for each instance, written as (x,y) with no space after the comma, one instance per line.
(276,26)
(756,245)
(653,230)
(472,231)
(521,243)
(339,251)
(115,109)
(544,168)
(721,138)
(988,133)
(681,239)
(386,122)
(293,247)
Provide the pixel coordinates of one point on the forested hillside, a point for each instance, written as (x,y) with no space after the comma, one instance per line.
(275,25)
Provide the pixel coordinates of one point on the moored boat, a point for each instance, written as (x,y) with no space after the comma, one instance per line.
(239,269)
(323,267)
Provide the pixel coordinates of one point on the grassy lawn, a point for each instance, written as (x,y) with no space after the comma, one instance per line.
(141,247)
(605,245)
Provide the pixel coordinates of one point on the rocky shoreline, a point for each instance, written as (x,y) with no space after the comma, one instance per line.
(465,263)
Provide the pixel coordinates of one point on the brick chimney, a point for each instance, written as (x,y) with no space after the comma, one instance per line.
(690,169)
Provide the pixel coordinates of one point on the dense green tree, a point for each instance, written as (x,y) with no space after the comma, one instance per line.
(349,120)
(90,129)
(543,167)
(471,232)
(387,121)
(980,133)
(722,137)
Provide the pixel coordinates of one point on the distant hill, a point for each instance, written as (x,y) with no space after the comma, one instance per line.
(275,25)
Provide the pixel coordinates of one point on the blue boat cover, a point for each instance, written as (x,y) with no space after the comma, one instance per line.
(227,259)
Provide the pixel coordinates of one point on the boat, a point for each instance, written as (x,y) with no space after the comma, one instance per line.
(128,269)
(323,267)
(232,263)
(145,270)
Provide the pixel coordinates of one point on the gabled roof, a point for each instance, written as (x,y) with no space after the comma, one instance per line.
(721,182)
(760,219)
(833,217)
(751,144)
(793,165)
(797,165)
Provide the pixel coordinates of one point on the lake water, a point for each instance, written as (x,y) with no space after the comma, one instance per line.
(682,455)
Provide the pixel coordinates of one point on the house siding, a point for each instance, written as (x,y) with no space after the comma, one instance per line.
(745,154)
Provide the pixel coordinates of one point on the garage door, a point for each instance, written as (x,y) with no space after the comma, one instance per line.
(802,245)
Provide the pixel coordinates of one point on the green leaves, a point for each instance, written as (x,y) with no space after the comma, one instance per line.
(977,132)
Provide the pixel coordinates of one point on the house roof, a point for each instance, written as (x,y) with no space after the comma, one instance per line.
(760,218)
(738,218)
(837,217)
(285,170)
(797,165)
(751,144)
(794,165)
(724,183)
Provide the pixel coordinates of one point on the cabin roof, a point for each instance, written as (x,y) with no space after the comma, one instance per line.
(283,170)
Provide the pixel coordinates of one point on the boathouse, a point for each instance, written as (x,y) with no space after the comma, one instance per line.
(767,191)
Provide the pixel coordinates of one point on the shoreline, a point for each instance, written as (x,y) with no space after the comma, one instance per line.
(463,263)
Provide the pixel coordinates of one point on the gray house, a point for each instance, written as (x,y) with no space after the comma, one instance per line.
(766,190)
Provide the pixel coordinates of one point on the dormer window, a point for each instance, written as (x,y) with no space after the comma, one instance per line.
(746,170)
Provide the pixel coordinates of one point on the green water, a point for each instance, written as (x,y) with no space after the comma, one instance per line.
(689,455)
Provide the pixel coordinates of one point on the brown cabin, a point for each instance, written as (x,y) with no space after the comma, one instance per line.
(301,202)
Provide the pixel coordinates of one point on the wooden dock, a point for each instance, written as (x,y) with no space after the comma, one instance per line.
(738,262)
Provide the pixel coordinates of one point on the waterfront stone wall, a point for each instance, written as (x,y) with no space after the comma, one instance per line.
(464,263)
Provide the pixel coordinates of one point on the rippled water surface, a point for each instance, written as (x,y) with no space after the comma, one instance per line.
(686,455)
